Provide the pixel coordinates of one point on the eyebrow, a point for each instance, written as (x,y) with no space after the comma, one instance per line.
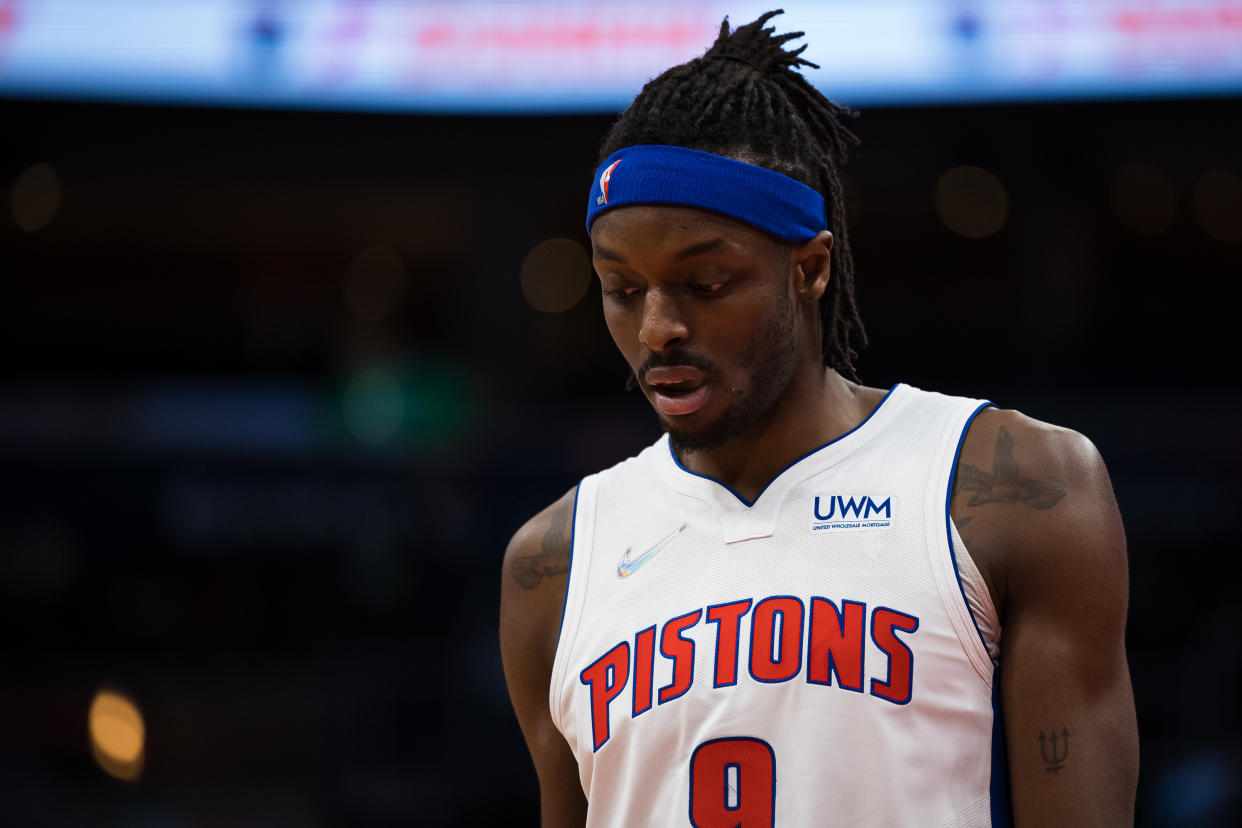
(690,252)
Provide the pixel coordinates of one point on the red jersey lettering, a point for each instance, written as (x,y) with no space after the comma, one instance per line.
(644,659)
(681,650)
(776,655)
(837,643)
(897,688)
(606,677)
(728,621)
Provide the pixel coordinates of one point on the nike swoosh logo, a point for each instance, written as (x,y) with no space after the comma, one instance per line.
(627,565)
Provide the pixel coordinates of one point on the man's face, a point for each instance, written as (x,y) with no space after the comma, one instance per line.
(702,309)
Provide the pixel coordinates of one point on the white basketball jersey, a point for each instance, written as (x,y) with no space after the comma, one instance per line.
(805,659)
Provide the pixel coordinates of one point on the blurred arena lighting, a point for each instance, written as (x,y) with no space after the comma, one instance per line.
(117,734)
(1144,198)
(375,283)
(1218,205)
(373,406)
(35,197)
(1198,789)
(555,275)
(594,55)
(971,201)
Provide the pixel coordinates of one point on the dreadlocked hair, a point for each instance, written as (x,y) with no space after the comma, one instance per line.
(744,98)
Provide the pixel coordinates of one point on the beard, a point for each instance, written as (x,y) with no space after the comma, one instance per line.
(770,357)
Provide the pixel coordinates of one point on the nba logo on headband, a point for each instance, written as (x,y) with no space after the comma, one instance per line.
(603,182)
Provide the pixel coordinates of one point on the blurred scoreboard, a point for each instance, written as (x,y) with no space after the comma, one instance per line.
(572,56)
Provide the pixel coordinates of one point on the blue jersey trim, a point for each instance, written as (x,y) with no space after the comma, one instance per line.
(749,503)
(948,530)
(573,529)
(998,787)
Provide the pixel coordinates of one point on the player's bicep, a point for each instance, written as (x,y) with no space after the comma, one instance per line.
(533,585)
(1067,702)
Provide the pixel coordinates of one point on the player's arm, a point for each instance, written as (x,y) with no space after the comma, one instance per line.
(1039,508)
(532,593)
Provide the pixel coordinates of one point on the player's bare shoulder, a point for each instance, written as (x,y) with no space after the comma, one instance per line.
(536,567)
(1021,488)
(541,548)
(1024,464)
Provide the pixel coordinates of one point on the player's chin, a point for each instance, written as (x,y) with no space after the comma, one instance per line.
(687,436)
(701,430)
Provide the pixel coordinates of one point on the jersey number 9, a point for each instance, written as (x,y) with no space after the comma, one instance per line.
(733,784)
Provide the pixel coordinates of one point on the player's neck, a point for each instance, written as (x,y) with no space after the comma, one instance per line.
(819,406)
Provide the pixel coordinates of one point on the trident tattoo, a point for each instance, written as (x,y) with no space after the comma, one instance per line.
(1055,758)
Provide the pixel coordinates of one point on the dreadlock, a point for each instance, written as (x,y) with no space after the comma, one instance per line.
(744,99)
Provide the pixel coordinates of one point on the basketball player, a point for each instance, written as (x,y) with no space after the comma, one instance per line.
(811,602)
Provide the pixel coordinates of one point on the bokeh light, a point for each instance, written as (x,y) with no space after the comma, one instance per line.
(373,406)
(35,197)
(555,275)
(374,283)
(1144,198)
(1218,205)
(971,201)
(117,735)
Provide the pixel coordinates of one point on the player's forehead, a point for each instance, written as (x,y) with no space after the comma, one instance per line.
(657,229)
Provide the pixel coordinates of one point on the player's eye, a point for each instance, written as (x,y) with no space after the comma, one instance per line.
(620,294)
(707,288)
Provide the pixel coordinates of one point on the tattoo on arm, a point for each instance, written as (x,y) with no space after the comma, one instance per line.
(1054,749)
(552,558)
(1005,484)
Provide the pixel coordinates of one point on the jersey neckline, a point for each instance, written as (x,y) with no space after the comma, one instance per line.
(823,455)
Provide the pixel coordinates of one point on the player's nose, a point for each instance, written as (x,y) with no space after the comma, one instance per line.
(663,325)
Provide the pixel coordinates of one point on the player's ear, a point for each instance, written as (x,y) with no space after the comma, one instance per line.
(812,266)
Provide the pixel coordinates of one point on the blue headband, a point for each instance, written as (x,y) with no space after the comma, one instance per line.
(658,174)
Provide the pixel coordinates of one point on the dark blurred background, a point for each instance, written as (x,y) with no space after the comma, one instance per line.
(278,387)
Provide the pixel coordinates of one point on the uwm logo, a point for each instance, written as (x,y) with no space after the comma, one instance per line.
(850,512)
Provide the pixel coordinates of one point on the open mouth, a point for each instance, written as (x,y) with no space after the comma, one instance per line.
(678,390)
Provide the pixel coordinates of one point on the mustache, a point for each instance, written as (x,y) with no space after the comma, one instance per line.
(668,359)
